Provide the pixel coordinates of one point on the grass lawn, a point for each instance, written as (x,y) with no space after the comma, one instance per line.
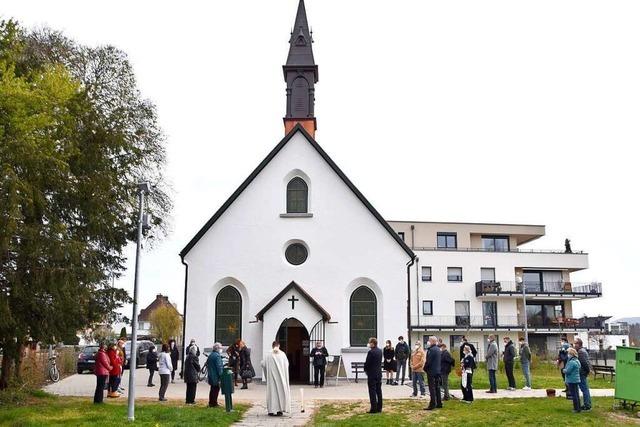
(39,408)
(488,412)
(544,375)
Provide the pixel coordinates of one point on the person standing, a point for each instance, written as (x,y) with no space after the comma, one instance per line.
(468,366)
(447,363)
(175,356)
(491,357)
(402,354)
(372,367)
(585,369)
(275,367)
(433,370)
(561,361)
(214,374)
(418,359)
(122,353)
(508,356)
(246,368)
(191,371)
(101,370)
(164,369)
(233,357)
(464,342)
(152,364)
(525,363)
(389,363)
(319,356)
(116,370)
(572,378)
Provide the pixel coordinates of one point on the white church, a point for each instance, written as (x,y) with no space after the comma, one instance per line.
(303,283)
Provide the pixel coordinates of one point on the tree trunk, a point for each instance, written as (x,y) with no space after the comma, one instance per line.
(18,363)
(7,362)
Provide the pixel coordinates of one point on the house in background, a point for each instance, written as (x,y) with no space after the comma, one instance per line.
(610,335)
(144,318)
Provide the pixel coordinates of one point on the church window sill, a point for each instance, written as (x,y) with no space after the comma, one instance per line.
(296,215)
(355,349)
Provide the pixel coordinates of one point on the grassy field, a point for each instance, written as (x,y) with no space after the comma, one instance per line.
(38,408)
(489,412)
(544,375)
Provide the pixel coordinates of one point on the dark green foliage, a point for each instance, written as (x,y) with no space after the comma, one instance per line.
(75,138)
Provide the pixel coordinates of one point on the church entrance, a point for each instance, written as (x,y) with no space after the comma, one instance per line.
(294,341)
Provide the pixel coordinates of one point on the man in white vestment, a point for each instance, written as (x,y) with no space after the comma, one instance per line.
(275,367)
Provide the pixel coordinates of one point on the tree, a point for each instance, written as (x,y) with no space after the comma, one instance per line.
(75,138)
(166,323)
(123,332)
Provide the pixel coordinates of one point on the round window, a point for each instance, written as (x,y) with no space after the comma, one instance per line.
(296,253)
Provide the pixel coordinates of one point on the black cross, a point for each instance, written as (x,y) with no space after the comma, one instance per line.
(293,300)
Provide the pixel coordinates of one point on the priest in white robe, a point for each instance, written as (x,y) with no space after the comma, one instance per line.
(275,367)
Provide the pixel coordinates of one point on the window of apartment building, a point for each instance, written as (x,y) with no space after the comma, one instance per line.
(447,240)
(547,314)
(427,308)
(454,274)
(488,275)
(463,314)
(543,280)
(401,234)
(426,274)
(495,243)
(490,313)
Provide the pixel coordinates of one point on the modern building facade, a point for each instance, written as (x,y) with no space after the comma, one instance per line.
(468,280)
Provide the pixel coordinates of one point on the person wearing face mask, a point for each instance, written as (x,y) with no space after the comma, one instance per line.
(319,356)
(402,354)
(468,366)
(214,374)
(508,356)
(418,359)
(152,364)
(433,369)
(491,357)
(447,363)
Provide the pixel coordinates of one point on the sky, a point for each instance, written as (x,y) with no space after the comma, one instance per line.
(472,111)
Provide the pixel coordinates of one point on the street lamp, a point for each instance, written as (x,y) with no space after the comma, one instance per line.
(520,283)
(143,223)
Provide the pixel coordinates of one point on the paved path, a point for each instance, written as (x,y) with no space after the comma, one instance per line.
(257,416)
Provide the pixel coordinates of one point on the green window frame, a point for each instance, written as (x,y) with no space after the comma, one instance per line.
(297,196)
(363,314)
(228,319)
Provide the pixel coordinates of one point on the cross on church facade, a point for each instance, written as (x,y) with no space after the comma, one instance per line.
(293,300)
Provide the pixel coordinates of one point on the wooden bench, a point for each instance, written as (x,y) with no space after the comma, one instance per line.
(604,370)
(358,368)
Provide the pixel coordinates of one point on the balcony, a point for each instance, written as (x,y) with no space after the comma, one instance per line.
(493,323)
(513,250)
(559,324)
(541,290)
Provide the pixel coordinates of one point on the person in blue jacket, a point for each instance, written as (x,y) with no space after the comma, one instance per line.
(572,377)
(214,374)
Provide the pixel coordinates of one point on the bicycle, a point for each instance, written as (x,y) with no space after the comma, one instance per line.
(54,372)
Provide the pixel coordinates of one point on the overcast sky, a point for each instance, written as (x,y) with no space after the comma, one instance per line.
(500,111)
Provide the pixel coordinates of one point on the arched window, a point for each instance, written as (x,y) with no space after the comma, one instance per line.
(363,310)
(297,196)
(228,326)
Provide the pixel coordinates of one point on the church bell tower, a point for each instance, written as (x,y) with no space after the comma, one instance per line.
(301,75)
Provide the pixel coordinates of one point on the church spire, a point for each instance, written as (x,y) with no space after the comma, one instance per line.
(301,75)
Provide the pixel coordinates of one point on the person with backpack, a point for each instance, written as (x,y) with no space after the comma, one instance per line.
(572,377)
(561,361)
(152,364)
(402,354)
(585,369)
(468,366)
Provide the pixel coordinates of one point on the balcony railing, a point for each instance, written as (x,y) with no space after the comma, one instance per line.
(513,250)
(489,322)
(592,289)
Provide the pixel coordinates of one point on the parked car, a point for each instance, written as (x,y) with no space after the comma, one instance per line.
(142,350)
(86,359)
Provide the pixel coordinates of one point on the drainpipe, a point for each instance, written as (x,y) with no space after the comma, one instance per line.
(413,227)
(418,287)
(184,314)
(409,264)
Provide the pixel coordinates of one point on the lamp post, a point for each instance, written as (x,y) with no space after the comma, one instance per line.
(520,283)
(143,188)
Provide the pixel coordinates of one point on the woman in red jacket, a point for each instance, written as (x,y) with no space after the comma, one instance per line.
(115,371)
(101,369)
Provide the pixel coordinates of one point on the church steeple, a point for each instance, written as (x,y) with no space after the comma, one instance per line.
(301,75)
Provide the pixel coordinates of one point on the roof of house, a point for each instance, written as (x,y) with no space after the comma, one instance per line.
(160,301)
(298,128)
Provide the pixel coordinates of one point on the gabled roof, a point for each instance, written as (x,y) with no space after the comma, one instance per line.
(293,285)
(298,128)
(160,301)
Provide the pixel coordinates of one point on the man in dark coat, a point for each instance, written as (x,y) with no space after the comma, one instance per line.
(152,364)
(471,346)
(319,356)
(508,356)
(446,366)
(433,368)
(402,352)
(175,355)
(373,369)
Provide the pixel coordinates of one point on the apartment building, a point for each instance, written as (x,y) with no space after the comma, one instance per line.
(469,279)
